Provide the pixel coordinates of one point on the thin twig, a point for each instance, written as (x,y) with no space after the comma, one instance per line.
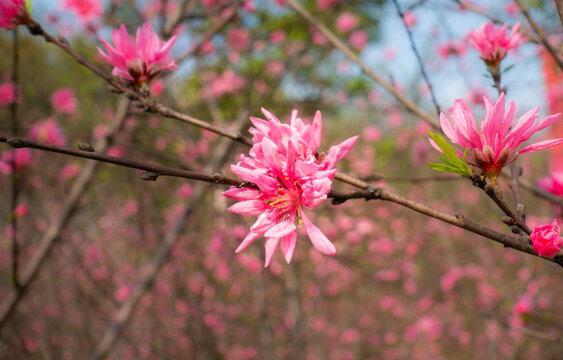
(541,34)
(340,45)
(418,57)
(515,173)
(495,194)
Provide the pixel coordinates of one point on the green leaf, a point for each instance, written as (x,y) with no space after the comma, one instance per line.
(508,68)
(443,167)
(446,148)
(452,162)
(28,7)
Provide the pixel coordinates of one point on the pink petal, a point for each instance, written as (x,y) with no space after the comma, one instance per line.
(318,239)
(541,145)
(247,241)
(248,207)
(271,245)
(280,230)
(288,246)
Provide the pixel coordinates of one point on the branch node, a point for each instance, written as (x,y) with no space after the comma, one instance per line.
(63,40)
(17,143)
(35,29)
(515,229)
(374,192)
(459,215)
(218,177)
(339,201)
(507,220)
(149,176)
(85,147)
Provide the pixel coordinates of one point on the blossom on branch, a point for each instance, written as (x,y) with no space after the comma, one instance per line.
(494,145)
(492,42)
(13,13)
(140,61)
(291,175)
(546,239)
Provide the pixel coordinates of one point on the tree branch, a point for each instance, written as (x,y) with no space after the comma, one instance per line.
(539,31)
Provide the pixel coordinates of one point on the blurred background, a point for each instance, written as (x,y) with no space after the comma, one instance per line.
(402,285)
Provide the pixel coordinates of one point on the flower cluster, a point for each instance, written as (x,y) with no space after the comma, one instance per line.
(494,145)
(290,175)
(492,42)
(13,13)
(546,239)
(140,61)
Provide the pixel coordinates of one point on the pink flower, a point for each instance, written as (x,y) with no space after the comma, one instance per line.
(346,22)
(553,183)
(238,39)
(546,239)
(290,175)
(141,61)
(63,100)
(494,146)
(87,10)
(409,19)
(47,131)
(14,160)
(452,48)
(13,13)
(493,43)
(8,93)
(358,39)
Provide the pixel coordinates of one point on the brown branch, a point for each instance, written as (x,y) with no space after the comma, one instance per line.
(496,195)
(340,45)
(153,171)
(515,173)
(559,5)
(142,100)
(541,34)
(368,192)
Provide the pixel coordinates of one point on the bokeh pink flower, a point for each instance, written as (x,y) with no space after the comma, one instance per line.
(346,22)
(291,175)
(48,131)
(8,93)
(495,144)
(546,239)
(552,183)
(140,61)
(63,101)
